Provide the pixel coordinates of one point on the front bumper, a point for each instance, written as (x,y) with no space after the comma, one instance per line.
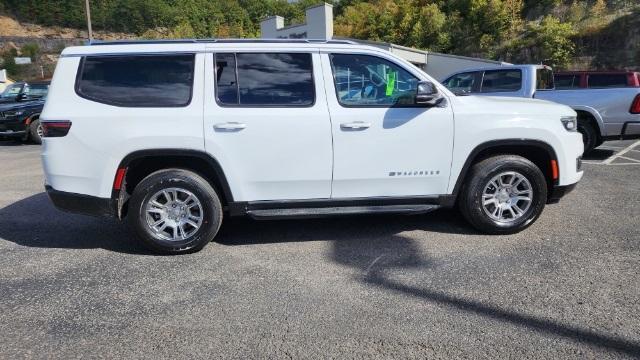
(80,204)
(10,127)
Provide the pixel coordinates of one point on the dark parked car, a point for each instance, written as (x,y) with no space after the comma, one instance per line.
(20,120)
(22,91)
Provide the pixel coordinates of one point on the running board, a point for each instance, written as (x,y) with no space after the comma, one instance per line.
(339,211)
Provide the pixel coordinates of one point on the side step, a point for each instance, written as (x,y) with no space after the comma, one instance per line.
(339,211)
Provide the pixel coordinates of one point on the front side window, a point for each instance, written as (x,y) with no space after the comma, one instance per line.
(138,80)
(37,90)
(265,79)
(364,80)
(501,81)
(461,83)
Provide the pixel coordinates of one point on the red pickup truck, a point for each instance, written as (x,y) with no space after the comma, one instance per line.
(596,79)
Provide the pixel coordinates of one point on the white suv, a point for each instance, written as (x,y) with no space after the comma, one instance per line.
(176,135)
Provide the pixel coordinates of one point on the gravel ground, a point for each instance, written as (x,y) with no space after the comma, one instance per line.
(424,286)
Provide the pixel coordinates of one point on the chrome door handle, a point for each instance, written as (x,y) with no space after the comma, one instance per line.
(356,125)
(229,126)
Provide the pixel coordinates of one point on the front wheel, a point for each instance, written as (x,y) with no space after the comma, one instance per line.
(35,132)
(175,211)
(503,195)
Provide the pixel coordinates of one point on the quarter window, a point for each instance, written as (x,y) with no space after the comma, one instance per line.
(137,81)
(363,80)
(265,79)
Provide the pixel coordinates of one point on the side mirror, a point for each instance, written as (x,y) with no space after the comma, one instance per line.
(427,94)
(21,97)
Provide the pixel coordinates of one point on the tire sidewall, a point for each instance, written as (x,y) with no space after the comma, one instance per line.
(589,136)
(208,199)
(33,131)
(538,185)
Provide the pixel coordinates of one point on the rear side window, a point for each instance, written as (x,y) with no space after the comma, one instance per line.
(461,83)
(264,79)
(566,82)
(607,80)
(501,81)
(544,79)
(137,81)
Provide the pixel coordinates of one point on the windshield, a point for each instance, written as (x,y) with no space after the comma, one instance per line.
(11,91)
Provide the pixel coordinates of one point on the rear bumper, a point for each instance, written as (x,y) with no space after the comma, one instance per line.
(80,204)
(559,191)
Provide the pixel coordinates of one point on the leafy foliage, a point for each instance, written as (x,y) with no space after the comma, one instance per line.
(510,30)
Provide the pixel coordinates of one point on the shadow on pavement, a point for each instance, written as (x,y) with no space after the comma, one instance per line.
(403,254)
(365,228)
(598,154)
(34,222)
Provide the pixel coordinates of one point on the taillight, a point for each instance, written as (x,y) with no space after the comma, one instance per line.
(635,106)
(55,128)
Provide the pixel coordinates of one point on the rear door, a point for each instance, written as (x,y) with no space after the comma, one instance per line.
(266,122)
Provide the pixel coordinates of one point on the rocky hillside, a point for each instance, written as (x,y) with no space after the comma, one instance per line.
(42,43)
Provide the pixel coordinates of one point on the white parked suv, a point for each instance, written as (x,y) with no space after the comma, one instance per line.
(176,135)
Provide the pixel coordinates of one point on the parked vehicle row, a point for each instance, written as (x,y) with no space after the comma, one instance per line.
(604,112)
(175,136)
(20,110)
(566,80)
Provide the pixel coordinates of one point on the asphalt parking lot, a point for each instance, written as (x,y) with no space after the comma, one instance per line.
(424,286)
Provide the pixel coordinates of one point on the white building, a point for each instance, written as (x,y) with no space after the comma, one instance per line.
(319,25)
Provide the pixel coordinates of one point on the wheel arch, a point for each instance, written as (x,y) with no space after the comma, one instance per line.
(538,152)
(140,164)
(591,115)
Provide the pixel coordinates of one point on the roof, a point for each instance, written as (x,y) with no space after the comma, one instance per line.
(201,45)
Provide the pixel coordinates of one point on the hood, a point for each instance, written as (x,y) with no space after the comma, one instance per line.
(517,105)
(21,105)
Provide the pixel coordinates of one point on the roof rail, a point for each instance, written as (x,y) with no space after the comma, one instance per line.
(221,41)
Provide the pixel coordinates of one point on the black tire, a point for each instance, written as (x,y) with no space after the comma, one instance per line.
(471,196)
(590,136)
(33,132)
(210,206)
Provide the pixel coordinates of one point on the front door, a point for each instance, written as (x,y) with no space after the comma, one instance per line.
(384,145)
(266,122)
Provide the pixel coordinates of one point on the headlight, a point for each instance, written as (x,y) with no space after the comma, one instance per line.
(13,113)
(570,123)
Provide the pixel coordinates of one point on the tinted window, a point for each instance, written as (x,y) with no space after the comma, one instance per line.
(501,81)
(564,82)
(227,85)
(269,79)
(362,80)
(544,79)
(137,81)
(607,80)
(461,83)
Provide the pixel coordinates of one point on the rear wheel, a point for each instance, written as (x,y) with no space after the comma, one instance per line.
(175,211)
(503,194)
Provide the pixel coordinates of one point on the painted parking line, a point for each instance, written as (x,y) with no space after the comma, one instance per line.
(613,157)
